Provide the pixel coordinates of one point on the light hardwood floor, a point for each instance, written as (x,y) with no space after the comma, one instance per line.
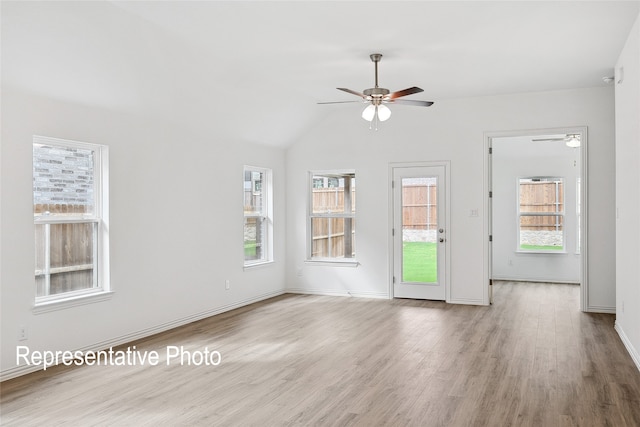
(530,359)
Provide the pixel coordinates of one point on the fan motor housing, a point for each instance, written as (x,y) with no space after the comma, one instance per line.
(376,91)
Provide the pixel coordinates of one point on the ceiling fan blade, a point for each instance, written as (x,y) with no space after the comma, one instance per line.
(353,92)
(339,102)
(405,92)
(412,102)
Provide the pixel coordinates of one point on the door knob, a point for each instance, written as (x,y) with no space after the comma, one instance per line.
(441,240)
(441,230)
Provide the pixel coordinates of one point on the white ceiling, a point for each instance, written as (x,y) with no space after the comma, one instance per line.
(254,71)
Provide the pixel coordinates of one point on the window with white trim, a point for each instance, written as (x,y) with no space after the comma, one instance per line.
(70,218)
(258,211)
(541,214)
(331,219)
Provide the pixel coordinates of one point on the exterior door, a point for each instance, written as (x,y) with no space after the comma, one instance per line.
(419,232)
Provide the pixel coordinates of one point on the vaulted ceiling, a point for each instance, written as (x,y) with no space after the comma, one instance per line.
(255,70)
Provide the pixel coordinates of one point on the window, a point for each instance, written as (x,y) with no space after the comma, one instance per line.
(70,218)
(332,216)
(257,216)
(541,214)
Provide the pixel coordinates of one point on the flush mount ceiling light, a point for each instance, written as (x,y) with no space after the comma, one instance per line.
(377,97)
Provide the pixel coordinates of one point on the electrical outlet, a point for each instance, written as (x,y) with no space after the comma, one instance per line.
(227,284)
(22,333)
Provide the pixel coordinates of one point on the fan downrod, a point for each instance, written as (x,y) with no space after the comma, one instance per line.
(376,57)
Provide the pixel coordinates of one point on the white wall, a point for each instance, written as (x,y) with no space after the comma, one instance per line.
(628,194)
(176,226)
(518,157)
(450,130)
(89,72)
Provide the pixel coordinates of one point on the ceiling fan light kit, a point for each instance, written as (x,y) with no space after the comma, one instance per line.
(379,112)
(377,97)
(571,140)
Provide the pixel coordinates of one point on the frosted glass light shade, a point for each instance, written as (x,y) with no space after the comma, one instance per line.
(383,112)
(369,113)
(573,142)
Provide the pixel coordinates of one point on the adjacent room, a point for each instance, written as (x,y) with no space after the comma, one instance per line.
(320,213)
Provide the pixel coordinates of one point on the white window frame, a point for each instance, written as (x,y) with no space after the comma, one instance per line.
(310,259)
(100,219)
(560,214)
(266,215)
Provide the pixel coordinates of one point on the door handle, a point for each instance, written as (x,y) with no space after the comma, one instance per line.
(441,240)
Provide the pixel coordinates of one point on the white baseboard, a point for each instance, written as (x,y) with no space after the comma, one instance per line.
(464,301)
(17,371)
(627,343)
(600,309)
(338,293)
(378,295)
(518,279)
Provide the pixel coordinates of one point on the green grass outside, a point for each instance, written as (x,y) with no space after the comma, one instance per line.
(250,249)
(419,262)
(541,248)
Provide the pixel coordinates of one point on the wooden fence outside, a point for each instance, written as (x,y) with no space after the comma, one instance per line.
(68,247)
(541,197)
(327,200)
(328,236)
(419,207)
(328,233)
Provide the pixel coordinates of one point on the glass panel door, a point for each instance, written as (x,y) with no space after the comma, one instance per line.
(419,232)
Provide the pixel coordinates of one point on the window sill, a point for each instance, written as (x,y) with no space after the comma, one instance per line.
(72,301)
(257,265)
(332,263)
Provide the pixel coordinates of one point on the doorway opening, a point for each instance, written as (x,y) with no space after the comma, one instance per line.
(536,210)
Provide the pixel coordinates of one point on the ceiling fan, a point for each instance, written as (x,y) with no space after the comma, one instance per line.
(572,140)
(377,97)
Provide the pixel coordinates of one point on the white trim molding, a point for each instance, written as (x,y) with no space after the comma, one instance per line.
(447,270)
(338,293)
(633,352)
(584,210)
